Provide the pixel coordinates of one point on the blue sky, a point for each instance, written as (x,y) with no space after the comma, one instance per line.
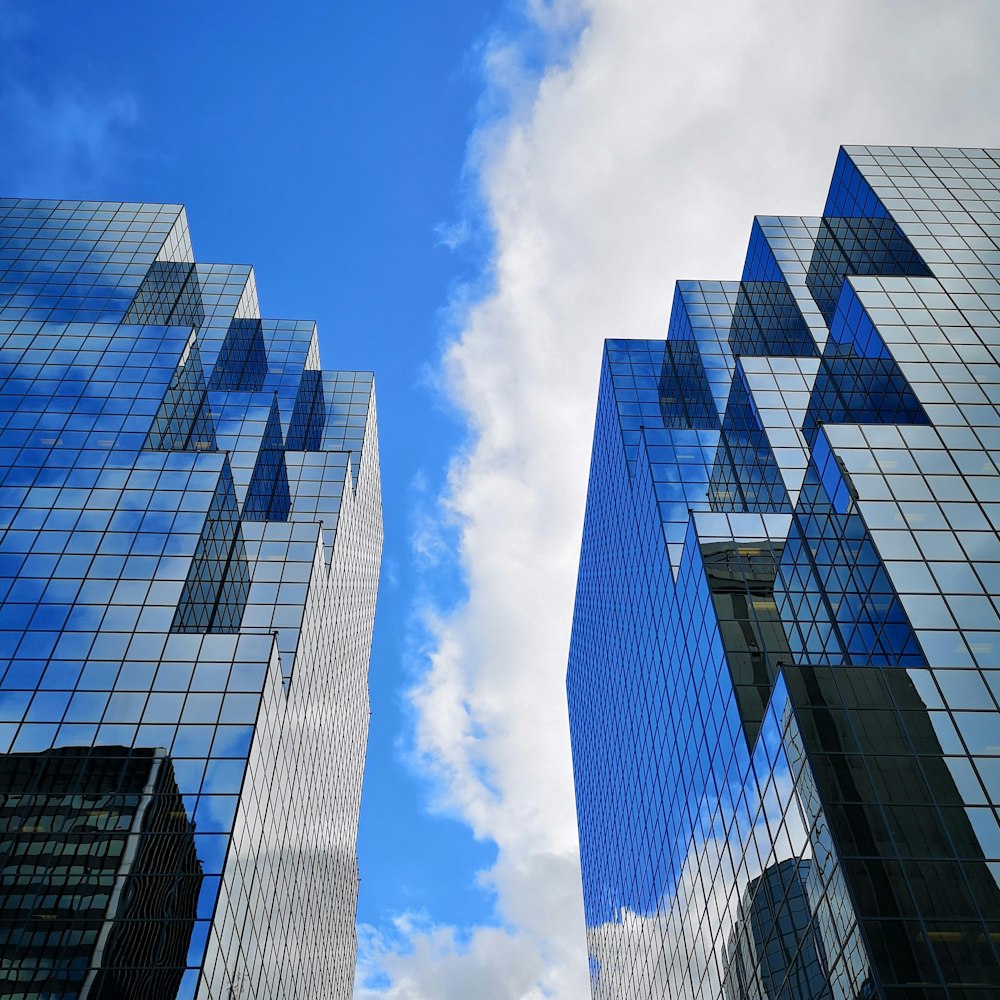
(469,196)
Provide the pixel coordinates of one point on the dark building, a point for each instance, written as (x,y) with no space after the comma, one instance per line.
(784,676)
(775,948)
(100,874)
(190,537)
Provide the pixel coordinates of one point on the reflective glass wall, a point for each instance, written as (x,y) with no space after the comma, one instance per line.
(784,676)
(190,536)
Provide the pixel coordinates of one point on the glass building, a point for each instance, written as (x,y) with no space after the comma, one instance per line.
(190,537)
(784,673)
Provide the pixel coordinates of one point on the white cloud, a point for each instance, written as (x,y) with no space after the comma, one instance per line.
(532,955)
(493,966)
(638,157)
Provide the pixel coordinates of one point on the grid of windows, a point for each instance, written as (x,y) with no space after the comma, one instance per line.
(188,596)
(82,261)
(745,475)
(783,671)
(107,872)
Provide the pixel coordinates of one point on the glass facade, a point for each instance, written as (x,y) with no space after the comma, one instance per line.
(190,538)
(784,672)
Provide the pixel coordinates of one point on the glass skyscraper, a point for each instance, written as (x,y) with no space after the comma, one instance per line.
(190,538)
(784,672)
